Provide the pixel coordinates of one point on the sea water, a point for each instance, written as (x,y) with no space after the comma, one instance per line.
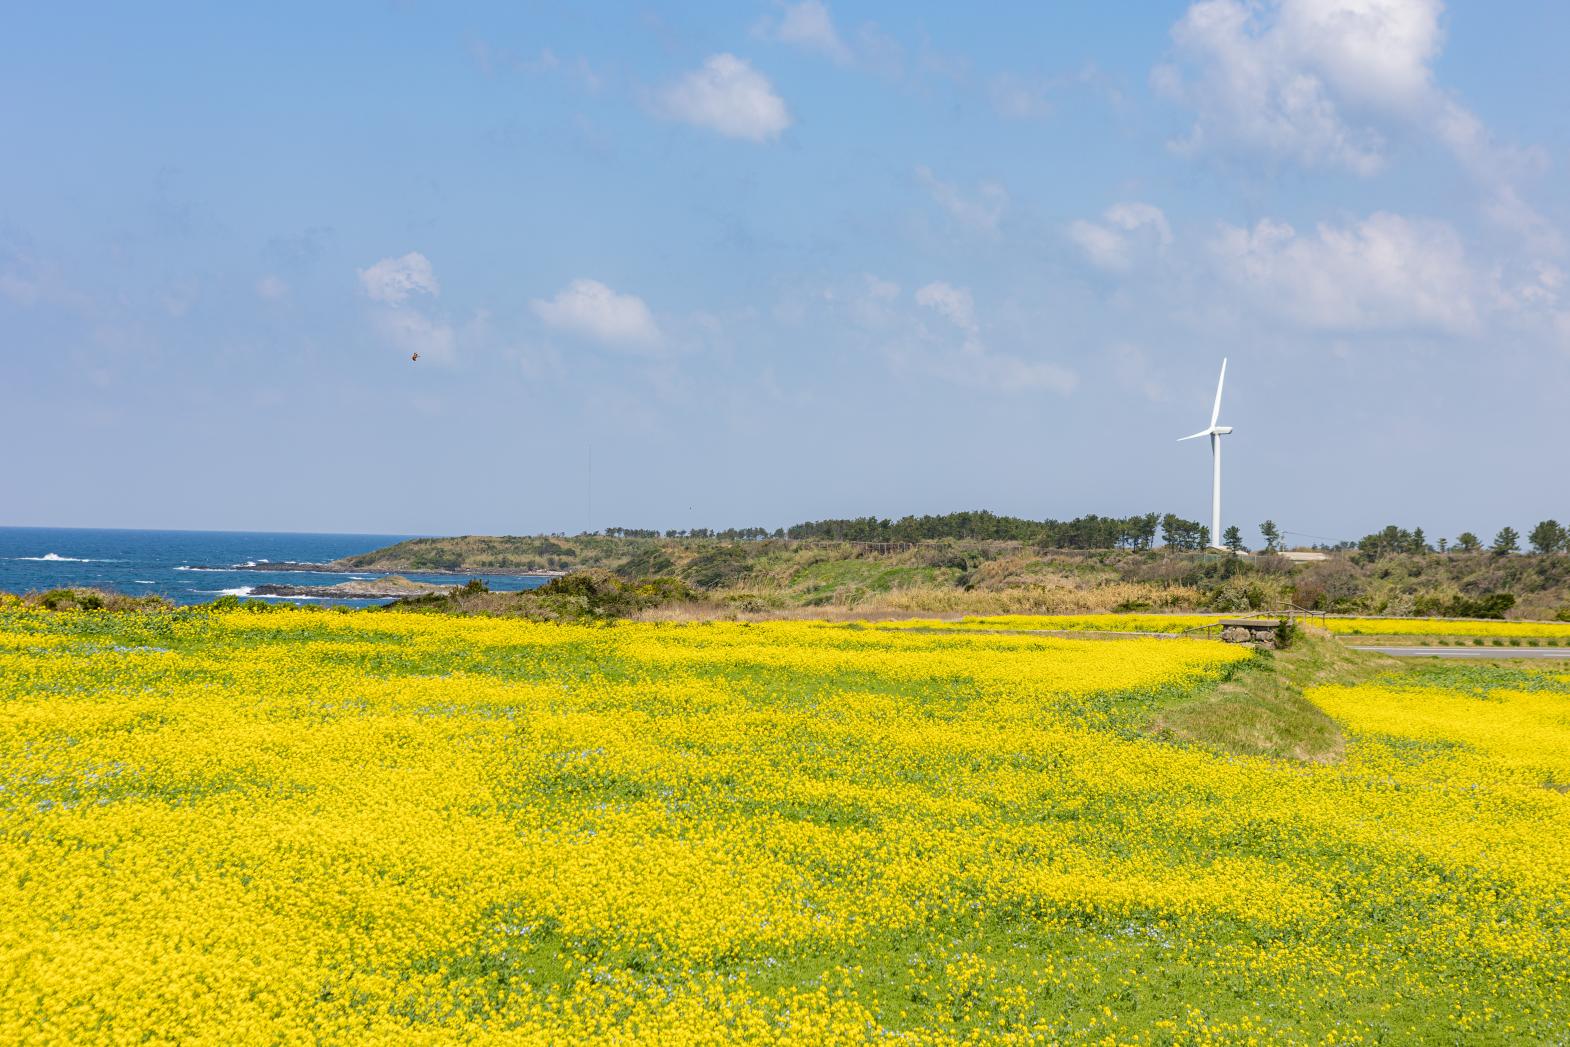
(194,566)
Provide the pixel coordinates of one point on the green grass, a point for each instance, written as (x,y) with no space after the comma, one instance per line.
(1261,711)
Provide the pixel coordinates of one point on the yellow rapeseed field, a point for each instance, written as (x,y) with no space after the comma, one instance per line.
(1179,623)
(305,826)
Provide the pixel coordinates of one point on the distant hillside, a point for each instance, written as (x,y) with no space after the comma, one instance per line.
(1001,576)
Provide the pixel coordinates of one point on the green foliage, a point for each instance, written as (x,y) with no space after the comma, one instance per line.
(1491,605)
(86,599)
(1084,532)
(1232,538)
(1179,533)
(646,562)
(717,568)
(1508,540)
(597,594)
(1549,537)
(1392,540)
(1468,542)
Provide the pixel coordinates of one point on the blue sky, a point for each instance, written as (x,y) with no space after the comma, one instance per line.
(730,264)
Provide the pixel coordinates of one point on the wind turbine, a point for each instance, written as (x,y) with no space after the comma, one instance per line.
(1215,432)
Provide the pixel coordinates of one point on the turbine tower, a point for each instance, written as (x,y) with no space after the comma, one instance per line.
(1215,432)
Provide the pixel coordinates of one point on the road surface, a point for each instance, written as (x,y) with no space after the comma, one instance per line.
(1559,653)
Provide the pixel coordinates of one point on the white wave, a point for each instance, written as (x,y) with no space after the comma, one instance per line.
(57,558)
(144,581)
(219,569)
(244,590)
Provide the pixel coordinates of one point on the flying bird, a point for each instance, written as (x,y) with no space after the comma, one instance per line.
(415,357)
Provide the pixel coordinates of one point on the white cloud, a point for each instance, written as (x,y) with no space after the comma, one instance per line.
(728,96)
(981,211)
(394,280)
(806,25)
(973,365)
(1019,98)
(1316,80)
(1125,228)
(953,302)
(592,310)
(1106,248)
(1330,83)
(413,332)
(872,306)
(1386,272)
(272,288)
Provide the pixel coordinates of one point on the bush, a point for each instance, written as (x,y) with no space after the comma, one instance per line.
(718,568)
(645,563)
(85,599)
(1494,605)
(599,594)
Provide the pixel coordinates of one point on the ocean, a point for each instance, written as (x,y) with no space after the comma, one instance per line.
(193,566)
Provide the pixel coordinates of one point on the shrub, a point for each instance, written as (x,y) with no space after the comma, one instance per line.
(718,568)
(645,563)
(1494,605)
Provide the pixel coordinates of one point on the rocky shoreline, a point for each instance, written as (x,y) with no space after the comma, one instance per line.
(392,587)
(339,567)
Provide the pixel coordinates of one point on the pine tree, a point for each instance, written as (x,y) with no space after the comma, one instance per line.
(1547,537)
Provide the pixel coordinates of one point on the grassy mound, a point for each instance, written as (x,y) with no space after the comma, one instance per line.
(1261,710)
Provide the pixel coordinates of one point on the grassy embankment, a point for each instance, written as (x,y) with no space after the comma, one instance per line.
(997,577)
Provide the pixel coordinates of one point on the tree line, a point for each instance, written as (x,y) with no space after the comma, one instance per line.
(1084,532)
(1105,532)
(1549,536)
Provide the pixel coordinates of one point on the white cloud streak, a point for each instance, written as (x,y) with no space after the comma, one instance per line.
(1385,273)
(973,365)
(395,280)
(807,25)
(1125,229)
(589,309)
(728,96)
(981,211)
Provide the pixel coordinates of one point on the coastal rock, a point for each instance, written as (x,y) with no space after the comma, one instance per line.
(374,589)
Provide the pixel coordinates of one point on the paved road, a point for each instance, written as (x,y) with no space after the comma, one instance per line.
(1469,652)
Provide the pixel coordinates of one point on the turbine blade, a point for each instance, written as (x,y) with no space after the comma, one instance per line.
(1216,413)
(1196,436)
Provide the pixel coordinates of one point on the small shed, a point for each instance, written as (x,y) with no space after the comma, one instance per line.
(1261,631)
